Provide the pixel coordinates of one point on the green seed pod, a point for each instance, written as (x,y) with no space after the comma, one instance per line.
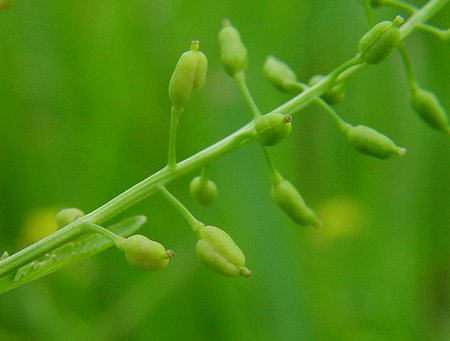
(333,96)
(377,44)
(427,106)
(369,141)
(272,128)
(204,191)
(232,51)
(67,216)
(218,251)
(291,202)
(144,253)
(279,74)
(188,77)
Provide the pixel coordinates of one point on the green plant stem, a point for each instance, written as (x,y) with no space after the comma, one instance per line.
(431,29)
(369,12)
(149,186)
(194,223)
(117,240)
(400,4)
(421,16)
(174,117)
(345,75)
(342,125)
(240,80)
(408,66)
(303,99)
(274,174)
(204,175)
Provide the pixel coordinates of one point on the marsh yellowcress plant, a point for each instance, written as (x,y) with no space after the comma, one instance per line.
(82,235)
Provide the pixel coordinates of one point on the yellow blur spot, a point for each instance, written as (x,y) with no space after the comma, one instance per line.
(38,224)
(342,218)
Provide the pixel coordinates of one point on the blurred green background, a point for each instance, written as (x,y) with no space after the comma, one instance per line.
(84,114)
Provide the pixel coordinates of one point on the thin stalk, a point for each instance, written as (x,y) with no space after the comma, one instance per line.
(369,12)
(345,75)
(242,84)
(274,174)
(431,29)
(194,223)
(174,117)
(303,99)
(343,126)
(408,66)
(400,4)
(117,240)
(421,16)
(204,175)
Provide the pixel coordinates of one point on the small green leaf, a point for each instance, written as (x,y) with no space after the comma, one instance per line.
(68,254)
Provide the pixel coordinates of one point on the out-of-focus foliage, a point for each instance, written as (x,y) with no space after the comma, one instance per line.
(84,114)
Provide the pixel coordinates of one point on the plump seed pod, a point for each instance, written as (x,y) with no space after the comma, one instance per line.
(427,106)
(272,128)
(291,202)
(203,190)
(67,216)
(144,253)
(279,74)
(218,251)
(377,44)
(188,77)
(232,51)
(369,141)
(333,96)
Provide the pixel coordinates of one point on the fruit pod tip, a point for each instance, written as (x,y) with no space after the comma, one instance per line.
(245,272)
(195,45)
(401,151)
(226,22)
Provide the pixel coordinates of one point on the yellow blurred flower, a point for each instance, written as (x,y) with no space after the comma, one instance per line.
(38,224)
(342,218)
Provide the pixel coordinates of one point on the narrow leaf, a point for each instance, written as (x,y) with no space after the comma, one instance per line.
(68,254)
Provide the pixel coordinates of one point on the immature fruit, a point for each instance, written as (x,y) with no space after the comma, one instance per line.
(232,51)
(335,95)
(218,251)
(377,44)
(369,141)
(203,190)
(291,202)
(188,77)
(67,216)
(279,74)
(427,106)
(144,253)
(272,128)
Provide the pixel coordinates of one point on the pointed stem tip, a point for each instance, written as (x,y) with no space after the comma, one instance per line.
(195,45)
(398,21)
(226,22)
(245,272)
(401,151)
(169,254)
